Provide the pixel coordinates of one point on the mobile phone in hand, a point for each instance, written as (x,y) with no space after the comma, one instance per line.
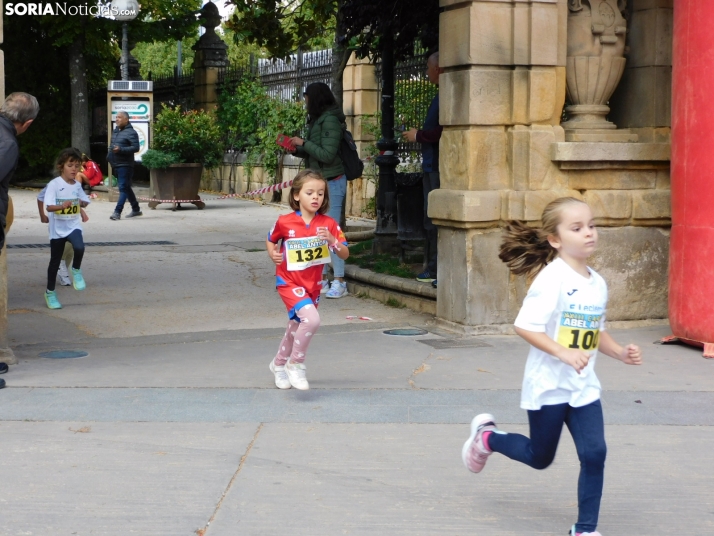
(284,142)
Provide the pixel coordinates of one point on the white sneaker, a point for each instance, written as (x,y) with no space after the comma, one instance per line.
(475,453)
(324,286)
(63,275)
(281,377)
(338,289)
(296,375)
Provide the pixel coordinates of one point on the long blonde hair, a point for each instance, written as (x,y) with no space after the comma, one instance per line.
(526,249)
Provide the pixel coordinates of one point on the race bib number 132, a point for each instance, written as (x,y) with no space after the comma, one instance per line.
(302,253)
(577,330)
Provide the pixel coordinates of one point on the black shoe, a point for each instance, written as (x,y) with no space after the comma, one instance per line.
(433,283)
(425,277)
(3,368)
(134,214)
(115,216)
(2,384)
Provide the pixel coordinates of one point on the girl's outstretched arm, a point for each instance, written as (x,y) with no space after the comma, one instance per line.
(578,359)
(630,354)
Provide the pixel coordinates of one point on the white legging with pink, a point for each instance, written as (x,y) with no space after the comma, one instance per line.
(298,336)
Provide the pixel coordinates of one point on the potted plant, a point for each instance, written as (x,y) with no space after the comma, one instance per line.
(183,144)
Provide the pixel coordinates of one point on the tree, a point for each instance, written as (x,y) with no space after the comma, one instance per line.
(25,44)
(366,22)
(284,27)
(85,35)
(160,57)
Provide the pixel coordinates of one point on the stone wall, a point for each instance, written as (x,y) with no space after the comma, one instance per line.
(505,156)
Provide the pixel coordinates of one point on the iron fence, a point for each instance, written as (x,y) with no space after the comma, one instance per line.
(173,89)
(413,94)
(282,78)
(287,79)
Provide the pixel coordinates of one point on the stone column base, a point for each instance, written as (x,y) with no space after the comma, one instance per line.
(7,356)
(472,331)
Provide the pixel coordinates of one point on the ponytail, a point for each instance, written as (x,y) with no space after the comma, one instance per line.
(525,249)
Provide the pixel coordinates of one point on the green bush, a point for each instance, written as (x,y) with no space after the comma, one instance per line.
(251,120)
(154,159)
(193,137)
(240,112)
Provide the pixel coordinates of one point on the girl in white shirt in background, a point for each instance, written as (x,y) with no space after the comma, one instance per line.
(64,199)
(562,318)
(68,254)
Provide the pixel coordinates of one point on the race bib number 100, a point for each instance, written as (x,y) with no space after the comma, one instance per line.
(302,253)
(578,330)
(70,212)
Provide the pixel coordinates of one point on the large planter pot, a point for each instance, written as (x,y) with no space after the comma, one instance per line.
(595,62)
(176,184)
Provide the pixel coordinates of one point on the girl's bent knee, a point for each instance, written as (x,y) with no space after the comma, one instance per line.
(542,464)
(309,315)
(594,456)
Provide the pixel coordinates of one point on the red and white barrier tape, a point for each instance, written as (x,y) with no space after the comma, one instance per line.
(265,190)
(163,200)
(259,191)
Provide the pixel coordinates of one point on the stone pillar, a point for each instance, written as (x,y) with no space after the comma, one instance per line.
(6,354)
(501,96)
(211,55)
(360,99)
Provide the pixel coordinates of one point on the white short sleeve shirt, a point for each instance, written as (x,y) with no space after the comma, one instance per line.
(63,222)
(570,309)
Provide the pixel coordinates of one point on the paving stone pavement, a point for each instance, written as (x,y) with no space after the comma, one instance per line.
(171,425)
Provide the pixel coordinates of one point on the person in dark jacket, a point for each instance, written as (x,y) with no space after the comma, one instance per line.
(125,142)
(16,115)
(429,137)
(320,149)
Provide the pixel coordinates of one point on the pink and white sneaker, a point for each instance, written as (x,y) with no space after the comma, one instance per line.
(573,532)
(474,454)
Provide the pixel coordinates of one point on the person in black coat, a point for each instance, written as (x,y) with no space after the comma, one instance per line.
(16,115)
(125,142)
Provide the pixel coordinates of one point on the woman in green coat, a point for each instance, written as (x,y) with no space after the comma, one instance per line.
(320,149)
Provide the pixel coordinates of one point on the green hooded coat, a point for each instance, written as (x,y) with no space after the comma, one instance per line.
(322,143)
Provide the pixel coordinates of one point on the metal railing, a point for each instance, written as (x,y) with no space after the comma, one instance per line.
(173,89)
(413,94)
(283,78)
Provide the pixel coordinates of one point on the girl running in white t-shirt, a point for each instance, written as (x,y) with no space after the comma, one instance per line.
(64,199)
(68,254)
(562,318)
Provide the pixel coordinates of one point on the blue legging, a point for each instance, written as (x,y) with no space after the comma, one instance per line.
(588,430)
(56,251)
(338,190)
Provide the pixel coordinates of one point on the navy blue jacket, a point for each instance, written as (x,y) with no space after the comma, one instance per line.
(128,141)
(429,138)
(9,156)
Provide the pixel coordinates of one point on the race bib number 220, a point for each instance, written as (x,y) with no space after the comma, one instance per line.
(301,253)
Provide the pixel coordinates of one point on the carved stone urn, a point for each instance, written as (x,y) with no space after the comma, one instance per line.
(595,63)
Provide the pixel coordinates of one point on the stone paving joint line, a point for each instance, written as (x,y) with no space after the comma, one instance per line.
(204,530)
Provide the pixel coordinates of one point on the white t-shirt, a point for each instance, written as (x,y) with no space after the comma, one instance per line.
(63,222)
(570,309)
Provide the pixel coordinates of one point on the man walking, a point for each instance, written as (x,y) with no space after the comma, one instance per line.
(16,115)
(125,142)
(429,137)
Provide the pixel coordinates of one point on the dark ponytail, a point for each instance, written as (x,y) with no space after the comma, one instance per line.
(525,249)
